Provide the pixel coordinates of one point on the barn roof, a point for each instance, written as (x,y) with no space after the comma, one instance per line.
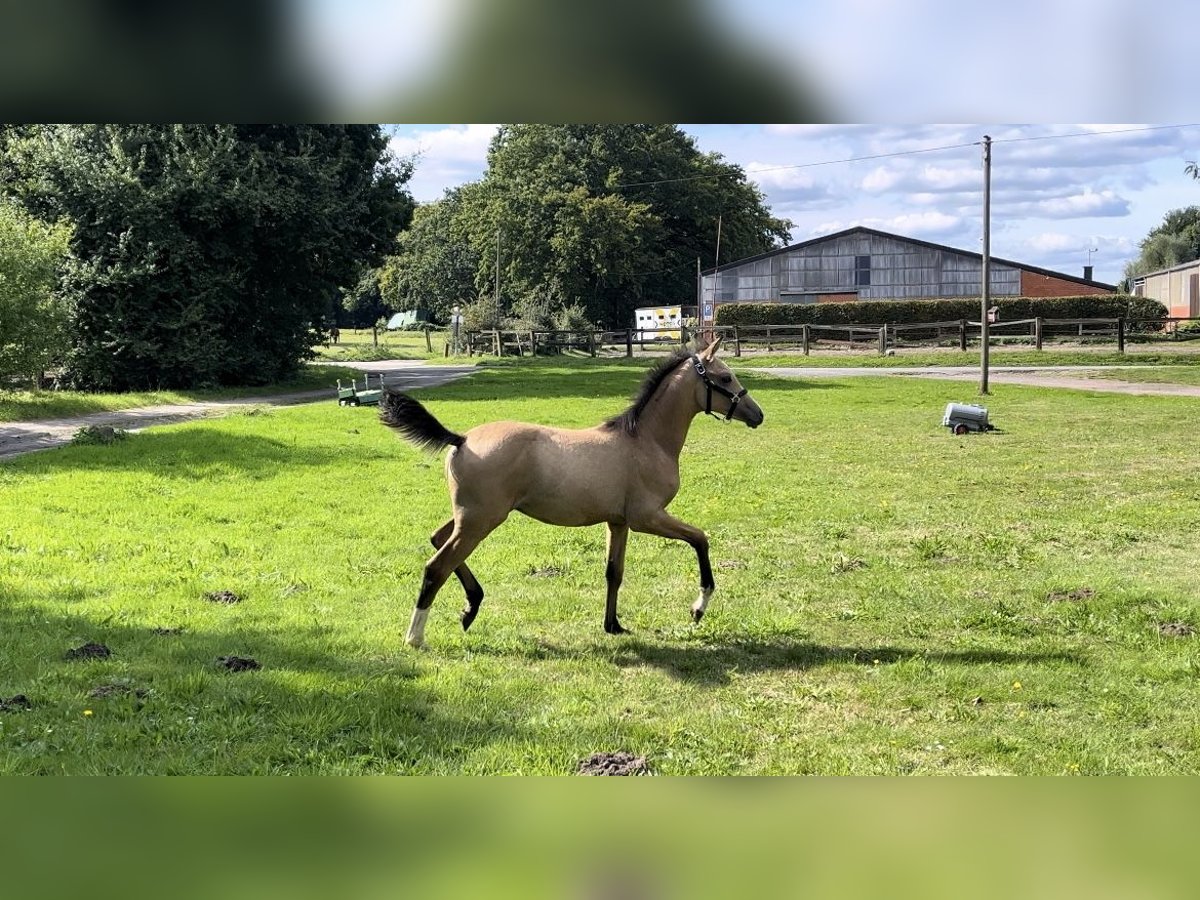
(862,229)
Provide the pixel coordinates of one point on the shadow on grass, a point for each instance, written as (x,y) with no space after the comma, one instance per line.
(167,705)
(188,453)
(711,661)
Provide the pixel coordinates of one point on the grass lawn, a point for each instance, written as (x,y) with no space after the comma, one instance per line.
(24,406)
(360,345)
(891,599)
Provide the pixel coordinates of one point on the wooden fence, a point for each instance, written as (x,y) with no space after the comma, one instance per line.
(958,333)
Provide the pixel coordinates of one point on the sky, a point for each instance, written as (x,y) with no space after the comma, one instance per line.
(1058,191)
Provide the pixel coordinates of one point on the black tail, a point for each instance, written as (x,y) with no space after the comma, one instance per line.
(415,422)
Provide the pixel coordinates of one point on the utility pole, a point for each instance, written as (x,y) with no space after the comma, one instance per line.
(716,262)
(717,258)
(986,297)
(496,320)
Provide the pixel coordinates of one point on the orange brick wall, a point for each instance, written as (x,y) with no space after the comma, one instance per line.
(1035,285)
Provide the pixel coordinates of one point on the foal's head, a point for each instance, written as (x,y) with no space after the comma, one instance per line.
(717,389)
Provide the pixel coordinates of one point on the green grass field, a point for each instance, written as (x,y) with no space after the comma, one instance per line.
(891,599)
(360,345)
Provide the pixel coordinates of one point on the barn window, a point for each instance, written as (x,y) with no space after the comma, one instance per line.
(862,270)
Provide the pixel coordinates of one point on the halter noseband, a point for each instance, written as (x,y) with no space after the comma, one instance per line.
(712,386)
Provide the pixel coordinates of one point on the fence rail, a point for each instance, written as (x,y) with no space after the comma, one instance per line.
(880,337)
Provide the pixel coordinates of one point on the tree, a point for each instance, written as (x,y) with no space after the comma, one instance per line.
(606,217)
(434,265)
(33,319)
(1175,241)
(210,254)
(362,302)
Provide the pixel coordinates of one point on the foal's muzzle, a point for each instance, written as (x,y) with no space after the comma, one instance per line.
(751,413)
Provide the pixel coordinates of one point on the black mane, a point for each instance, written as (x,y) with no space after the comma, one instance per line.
(628,420)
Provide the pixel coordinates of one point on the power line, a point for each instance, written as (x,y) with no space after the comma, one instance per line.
(1075,134)
(827,162)
(897,153)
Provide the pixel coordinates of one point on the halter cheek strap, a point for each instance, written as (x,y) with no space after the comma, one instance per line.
(711,386)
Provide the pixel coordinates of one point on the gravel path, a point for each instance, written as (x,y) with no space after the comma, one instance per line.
(1073,377)
(26,437)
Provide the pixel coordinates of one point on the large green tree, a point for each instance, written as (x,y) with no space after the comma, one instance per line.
(434,265)
(209,254)
(33,317)
(1175,241)
(602,218)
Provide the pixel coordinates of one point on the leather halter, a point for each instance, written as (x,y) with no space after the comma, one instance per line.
(720,389)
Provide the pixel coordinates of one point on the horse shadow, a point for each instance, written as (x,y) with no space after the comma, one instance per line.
(711,661)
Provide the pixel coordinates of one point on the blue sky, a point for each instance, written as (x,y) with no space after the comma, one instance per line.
(1058,191)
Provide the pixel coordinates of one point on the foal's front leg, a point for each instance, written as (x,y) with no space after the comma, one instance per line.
(614,572)
(665,525)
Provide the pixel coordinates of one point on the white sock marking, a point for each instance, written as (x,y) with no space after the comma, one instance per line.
(416,628)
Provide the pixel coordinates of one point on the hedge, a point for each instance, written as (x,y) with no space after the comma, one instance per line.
(903,312)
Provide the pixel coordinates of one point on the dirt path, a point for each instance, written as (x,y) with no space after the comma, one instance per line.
(1072,377)
(26,437)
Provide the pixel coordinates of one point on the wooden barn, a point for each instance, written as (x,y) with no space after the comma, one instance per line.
(1176,288)
(865,264)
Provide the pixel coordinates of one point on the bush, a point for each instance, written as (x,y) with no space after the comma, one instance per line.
(33,317)
(1142,308)
(905,312)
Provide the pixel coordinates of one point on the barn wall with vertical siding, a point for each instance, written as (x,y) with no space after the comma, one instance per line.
(828,269)
(1177,288)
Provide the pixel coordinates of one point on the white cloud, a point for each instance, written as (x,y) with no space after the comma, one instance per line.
(907,224)
(788,187)
(880,179)
(1087,203)
(445,157)
(1053,242)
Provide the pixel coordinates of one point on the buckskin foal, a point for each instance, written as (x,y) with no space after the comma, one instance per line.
(623,473)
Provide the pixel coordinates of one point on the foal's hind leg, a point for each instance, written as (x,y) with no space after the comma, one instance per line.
(618,535)
(468,580)
(464,538)
(665,525)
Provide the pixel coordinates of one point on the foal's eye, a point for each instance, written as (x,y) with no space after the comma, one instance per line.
(726,379)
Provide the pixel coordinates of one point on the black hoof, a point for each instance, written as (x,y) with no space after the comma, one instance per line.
(614,627)
(697,615)
(467,617)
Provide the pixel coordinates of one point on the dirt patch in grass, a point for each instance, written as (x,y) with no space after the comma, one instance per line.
(547,572)
(239,663)
(98,434)
(732,564)
(227,597)
(843,563)
(90,650)
(117,690)
(167,632)
(1076,596)
(1175,629)
(15,703)
(619,763)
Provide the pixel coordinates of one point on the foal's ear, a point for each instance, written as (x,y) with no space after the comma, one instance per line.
(710,350)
